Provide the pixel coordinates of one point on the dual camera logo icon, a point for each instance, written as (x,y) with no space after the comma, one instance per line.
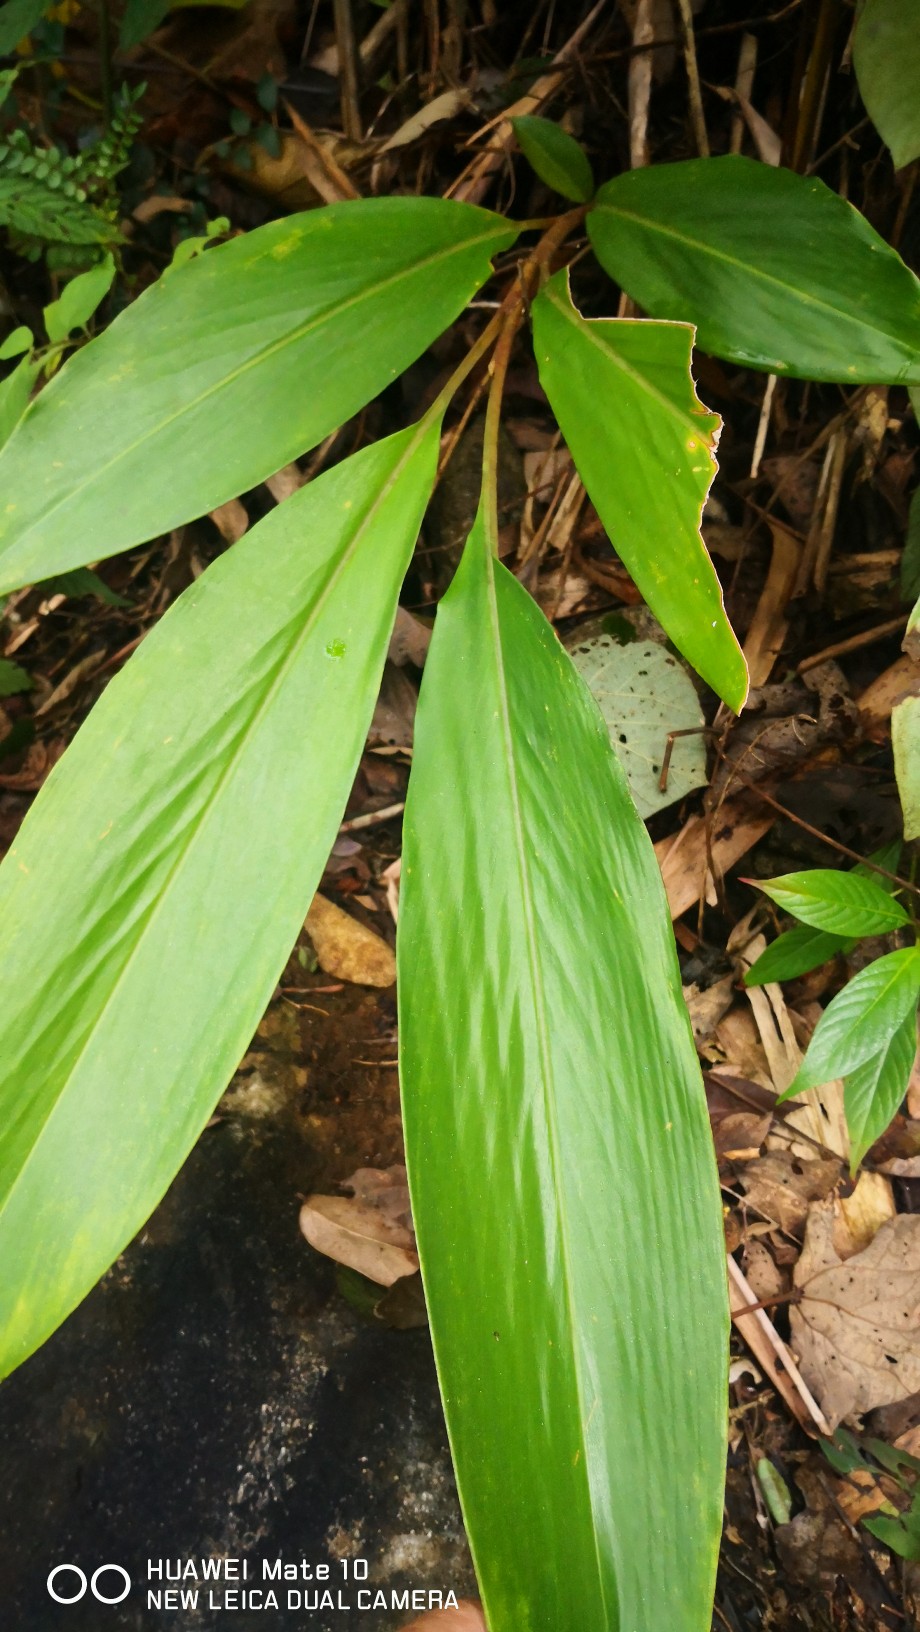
(67,1584)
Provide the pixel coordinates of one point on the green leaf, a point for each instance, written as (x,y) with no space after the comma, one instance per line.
(267,93)
(873,1092)
(843,1452)
(842,903)
(861,1020)
(893,1534)
(155,889)
(78,301)
(15,391)
(777,271)
(776,1492)
(555,156)
(82,581)
(889,857)
(16,342)
(905,740)
(886,56)
(13,679)
(17,19)
(644,693)
(892,1457)
(644,446)
(563,1184)
(795,953)
(141,17)
(230,367)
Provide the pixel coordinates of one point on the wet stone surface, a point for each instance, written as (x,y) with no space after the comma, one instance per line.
(215,1395)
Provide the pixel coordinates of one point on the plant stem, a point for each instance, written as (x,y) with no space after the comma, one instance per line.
(511,316)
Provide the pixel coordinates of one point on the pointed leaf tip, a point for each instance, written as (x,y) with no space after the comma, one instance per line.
(644,446)
(777,271)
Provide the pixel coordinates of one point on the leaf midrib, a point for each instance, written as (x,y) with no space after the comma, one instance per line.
(542,1027)
(687,418)
(705,249)
(195,830)
(370,292)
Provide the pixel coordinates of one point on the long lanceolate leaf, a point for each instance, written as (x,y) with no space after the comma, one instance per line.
(774,269)
(156,887)
(563,1182)
(645,447)
(228,368)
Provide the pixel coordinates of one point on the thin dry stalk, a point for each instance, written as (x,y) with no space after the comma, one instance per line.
(473,184)
(697,115)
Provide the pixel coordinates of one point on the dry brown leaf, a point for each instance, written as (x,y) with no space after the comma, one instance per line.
(386,1188)
(764,1277)
(157,204)
(769,624)
(758,1332)
(857,1327)
(861,1215)
(909,1442)
(875,704)
(393,723)
(409,641)
(781,1186)
(684,861)
(360,1234)
(740,1115)
(290,179)
(796,484)
(467,1617)
(740,1135)
(231,520)
(40,758)
(72,679)
(736,1049)
(859,1494)
(706,1005)
(346,949)
(289,479)
(446,106)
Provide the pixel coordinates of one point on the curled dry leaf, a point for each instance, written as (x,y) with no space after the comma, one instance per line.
(371,1230)
(706,1005)
(346,949)
(780,1186)
(857,1327)
(467,1617)
(740,1114)
(764,1276)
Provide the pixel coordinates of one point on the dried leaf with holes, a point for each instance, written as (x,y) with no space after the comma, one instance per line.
(857,1327)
